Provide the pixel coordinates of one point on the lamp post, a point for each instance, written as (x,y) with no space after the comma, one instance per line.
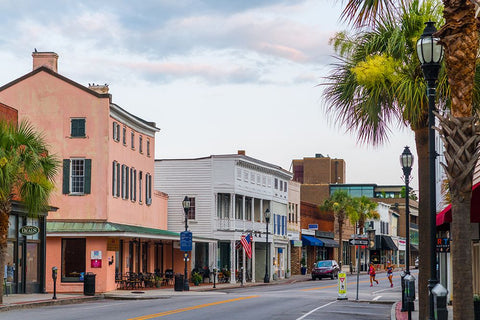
(186,208)
(406,160)
(266,279)
(430,54)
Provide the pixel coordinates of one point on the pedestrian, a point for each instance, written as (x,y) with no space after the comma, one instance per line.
(390,273)
(372,273)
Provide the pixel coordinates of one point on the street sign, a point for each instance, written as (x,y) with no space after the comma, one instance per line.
(358,242)
(186,241)
(342,286)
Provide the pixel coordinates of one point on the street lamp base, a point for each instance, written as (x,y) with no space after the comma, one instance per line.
(186,286)
(266,279)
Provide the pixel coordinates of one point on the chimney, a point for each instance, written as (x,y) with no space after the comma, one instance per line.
(45,59)
(241,152)
(99,88)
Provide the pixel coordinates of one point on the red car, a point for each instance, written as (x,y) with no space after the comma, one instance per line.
(325,269)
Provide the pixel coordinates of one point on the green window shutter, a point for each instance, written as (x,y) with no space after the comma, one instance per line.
(126,182)
(66,176)
(113,178)
(78,128)
(88,175)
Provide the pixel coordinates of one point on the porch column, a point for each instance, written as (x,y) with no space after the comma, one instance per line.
(254,244)
(243,208)
(232,261)
(261,210)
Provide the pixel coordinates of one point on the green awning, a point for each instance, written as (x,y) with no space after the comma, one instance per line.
(107,229)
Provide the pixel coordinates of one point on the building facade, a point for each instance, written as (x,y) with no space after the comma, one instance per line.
(231,194)
(106,179)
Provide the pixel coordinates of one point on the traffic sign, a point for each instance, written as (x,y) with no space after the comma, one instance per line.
(186,241)
(358,242)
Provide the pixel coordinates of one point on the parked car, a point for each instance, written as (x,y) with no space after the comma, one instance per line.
(325,269)
(416,263)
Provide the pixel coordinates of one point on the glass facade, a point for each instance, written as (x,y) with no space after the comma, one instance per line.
(355,190)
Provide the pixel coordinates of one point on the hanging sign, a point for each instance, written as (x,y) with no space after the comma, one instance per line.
(28,230)
(342,286)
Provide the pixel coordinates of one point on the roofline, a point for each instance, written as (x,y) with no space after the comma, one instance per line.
(139,121)
(59,76)
(235,156)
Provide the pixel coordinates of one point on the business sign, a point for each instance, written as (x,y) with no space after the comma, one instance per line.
(113,244)
(443,244)
(342,286)
(358,242)
(313,226)
(186,241)
(29,230)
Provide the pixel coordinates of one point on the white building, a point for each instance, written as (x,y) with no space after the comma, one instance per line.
(229,196)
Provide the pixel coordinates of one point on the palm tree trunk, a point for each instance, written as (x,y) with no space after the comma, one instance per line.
(5,209)
(421,142)
(461,137)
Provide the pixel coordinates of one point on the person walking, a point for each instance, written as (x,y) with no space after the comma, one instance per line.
(372,273)
(390,273)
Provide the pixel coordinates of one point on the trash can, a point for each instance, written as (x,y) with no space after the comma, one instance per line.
(179,282)
(89,284)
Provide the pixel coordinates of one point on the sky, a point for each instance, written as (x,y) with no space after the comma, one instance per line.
(215,76)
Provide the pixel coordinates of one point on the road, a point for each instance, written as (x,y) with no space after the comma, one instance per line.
(295,301)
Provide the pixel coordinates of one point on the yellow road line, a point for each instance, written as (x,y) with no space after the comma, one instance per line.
(166,313)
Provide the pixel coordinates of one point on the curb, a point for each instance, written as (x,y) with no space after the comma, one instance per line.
(42,303)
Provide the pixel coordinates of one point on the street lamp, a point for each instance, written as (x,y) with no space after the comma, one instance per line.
(430,54)
(186,208)
(406,160)
(267,253)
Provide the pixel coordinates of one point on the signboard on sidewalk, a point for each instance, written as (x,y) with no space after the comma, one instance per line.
(342,286)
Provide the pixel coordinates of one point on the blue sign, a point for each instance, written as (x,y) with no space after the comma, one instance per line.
(186,241)
(313,226)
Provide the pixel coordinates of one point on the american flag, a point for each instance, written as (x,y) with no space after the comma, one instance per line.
(246,241)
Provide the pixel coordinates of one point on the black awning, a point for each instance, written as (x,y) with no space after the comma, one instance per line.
(388,244)
(329,243)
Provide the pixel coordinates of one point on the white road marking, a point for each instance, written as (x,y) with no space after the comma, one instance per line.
(308,313)
(375,292)
(376,298)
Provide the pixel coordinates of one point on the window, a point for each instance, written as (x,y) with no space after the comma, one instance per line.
(148,189)
(132,139)
(140,183)
(133,184)
(76,176)
(114,178)
(281,185)
(116,131)
(148,147)
(223,205)
(125,181)
(77,128)
(124,136)
(140,144)
(264,181)
(239,174)
(276,183)
(73,259)
(285,186)
(258,179)
(245,175)
(191,210)
(252,177)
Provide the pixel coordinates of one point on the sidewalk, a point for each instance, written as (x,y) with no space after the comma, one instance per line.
(398,315)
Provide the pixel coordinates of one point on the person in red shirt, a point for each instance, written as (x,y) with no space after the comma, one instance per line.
(372,272)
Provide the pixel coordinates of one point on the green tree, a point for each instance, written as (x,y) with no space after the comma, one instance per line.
(364,209)
(340,203)
(378,83)
(27,171)
(459,129)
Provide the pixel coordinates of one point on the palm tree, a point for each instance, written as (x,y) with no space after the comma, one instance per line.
(364,209)
(26,174)
(378,83)
(459,129)
(340,203)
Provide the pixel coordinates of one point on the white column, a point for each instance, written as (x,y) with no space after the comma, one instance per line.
(253,209)
(253,260)
(232,261)
(261,210)
(243,208)
(244,269)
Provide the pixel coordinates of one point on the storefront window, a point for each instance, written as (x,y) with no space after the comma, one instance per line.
(32,263)
(33,222)
(73,260)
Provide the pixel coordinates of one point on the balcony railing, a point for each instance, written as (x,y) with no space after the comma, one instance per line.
(239,225)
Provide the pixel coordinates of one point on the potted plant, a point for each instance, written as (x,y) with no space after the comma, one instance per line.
(196,278)
(476,306)
(158,281)
(287,275)
(303,268)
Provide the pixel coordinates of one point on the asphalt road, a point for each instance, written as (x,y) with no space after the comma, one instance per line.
(296,301)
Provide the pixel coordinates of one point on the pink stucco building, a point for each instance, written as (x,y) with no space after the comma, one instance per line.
(109,220)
